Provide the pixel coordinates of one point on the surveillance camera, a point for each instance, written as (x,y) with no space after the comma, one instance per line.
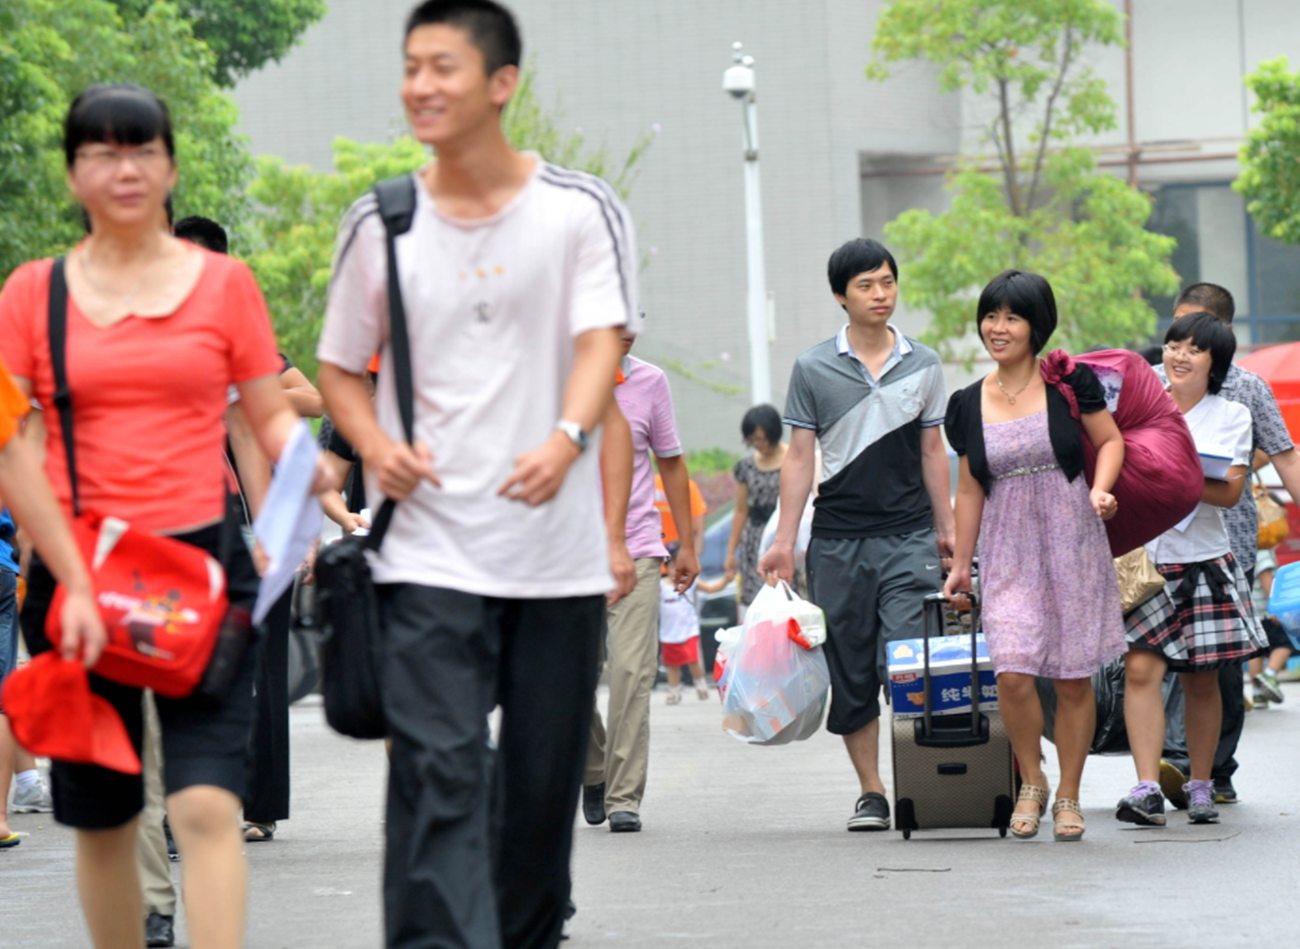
(738,81)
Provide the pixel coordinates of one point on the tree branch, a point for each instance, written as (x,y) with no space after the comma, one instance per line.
(1009,161)
(1067,57)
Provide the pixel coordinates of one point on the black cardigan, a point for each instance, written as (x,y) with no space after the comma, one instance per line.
(964,424)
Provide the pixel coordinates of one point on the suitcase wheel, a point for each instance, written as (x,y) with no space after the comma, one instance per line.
(1003,807)
(905,817)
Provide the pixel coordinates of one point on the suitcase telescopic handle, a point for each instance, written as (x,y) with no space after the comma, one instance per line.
(933,605)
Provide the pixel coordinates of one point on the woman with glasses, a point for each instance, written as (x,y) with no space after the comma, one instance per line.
(157,332)
(1203,619)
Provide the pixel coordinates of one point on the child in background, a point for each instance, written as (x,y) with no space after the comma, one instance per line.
(1264,677)
(679,635)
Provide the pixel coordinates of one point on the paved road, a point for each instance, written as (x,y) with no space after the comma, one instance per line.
(745,847)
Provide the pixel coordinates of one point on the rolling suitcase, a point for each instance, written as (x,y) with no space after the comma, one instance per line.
(955,769)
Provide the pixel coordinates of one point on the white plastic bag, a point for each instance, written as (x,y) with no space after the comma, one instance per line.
(773,690)
(803,622)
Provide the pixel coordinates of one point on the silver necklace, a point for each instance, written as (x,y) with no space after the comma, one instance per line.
(1011,396)
(127,297)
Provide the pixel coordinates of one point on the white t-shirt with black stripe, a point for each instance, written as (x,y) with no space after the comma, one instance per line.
(493,306)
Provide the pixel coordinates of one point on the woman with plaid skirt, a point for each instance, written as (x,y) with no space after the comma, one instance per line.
(1203,619)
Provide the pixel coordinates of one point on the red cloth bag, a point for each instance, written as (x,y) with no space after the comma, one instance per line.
(162,602)
(1162,480)
(54,714)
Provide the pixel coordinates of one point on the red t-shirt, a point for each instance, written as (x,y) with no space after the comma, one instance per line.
(149,395)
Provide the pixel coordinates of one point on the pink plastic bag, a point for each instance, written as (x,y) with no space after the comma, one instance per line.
(1162,480)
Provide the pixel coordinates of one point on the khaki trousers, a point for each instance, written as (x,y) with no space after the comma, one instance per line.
(618,752)
(150,844)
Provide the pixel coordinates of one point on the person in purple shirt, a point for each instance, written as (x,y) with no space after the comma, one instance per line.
(619,750)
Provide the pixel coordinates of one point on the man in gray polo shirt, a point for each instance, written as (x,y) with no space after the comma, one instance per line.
(883,520)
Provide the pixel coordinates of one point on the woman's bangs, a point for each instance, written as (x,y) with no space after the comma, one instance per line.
(122,115)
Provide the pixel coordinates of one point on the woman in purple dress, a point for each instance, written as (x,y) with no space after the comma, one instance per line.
(1049,593)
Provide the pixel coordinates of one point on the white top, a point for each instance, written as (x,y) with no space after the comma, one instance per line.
(493,306)
(679,622)
(1218,426)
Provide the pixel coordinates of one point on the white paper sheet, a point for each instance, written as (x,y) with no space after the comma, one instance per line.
(290,519)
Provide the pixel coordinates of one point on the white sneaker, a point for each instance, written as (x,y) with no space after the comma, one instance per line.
(35,800)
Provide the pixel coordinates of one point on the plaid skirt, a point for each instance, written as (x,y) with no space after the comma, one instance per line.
(1203,619)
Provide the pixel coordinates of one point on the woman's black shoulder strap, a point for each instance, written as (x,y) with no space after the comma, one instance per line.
(58,332)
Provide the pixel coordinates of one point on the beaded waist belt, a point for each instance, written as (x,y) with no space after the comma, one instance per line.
(1026,470)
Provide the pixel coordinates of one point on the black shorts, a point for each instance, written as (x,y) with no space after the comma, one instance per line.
(871,590)
(202,744)
(1277,637)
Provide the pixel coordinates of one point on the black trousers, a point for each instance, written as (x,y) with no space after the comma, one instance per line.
(267,798)
(1232,692)
(448,658)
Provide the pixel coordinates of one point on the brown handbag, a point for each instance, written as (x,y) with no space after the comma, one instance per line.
(1273,525)
(1139,580)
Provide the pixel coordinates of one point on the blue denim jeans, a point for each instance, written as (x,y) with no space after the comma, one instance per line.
(8,623)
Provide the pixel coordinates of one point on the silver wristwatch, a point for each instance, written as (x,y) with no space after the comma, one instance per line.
(575,433)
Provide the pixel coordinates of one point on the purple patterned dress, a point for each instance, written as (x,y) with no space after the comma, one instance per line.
(1050,595)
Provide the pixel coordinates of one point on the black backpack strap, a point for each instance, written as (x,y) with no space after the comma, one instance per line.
(397,209)
(58,331)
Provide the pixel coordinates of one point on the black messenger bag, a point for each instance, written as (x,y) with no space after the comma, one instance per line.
(346,603)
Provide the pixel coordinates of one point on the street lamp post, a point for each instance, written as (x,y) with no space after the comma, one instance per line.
(738,81)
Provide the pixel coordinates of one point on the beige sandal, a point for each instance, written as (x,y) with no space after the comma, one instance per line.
(1064,804)
(1030,792)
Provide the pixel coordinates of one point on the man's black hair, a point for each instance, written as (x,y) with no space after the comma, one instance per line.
(1027,295)
(1208,333)
(1210,298)
(122,113)
(1154,354)
(491,28)
(860,255)
(203,231)
(765,417)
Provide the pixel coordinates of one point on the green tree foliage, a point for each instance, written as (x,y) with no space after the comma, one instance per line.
(705,463)
(1045,207)
(50,50)
(299,209)
(1270,179)
(244,35)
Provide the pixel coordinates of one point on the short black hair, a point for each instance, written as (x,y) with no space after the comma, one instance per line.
(765,417)
(491,28)
(203,231)
(1027,295)
(121,112)
(1208,333)
(860,255)
(1210,298)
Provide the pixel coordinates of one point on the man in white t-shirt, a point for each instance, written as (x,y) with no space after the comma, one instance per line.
(517,278)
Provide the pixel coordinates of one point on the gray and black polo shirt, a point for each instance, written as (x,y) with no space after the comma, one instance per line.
(870,434)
